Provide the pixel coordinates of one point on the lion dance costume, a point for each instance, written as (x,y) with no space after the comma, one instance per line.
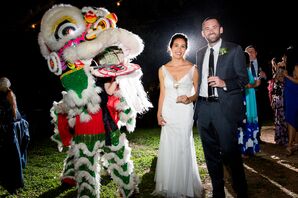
(83,47)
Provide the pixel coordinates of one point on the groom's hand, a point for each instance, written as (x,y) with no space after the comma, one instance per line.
(215,81)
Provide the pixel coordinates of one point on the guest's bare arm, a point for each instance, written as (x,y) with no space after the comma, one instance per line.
(12,101)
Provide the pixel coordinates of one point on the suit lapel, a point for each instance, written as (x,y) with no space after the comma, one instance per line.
(220,59)
(200,59)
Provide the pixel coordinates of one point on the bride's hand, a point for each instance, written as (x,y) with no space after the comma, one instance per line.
(161,121)
(183,99)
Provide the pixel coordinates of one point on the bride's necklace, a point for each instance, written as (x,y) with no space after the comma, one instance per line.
(176,84)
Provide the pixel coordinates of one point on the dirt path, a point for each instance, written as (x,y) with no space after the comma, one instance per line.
(270,173)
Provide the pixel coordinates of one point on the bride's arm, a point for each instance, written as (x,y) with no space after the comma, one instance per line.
(160,119)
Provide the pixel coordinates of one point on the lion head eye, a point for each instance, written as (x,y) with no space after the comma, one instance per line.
(64,29)
(101,24)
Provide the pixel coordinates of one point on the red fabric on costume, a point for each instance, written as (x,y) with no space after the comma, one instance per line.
(112,103)
(69,181)
(93,126)
(63,129)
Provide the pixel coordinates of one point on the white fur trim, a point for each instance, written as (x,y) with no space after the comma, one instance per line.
(98,11)
(133,91)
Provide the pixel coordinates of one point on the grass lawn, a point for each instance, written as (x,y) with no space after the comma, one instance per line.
(45,164)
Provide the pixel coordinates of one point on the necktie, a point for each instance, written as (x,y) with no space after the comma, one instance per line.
(252,67)
(211,72)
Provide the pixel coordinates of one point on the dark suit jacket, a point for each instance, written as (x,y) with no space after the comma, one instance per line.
(262,94)
(231,68)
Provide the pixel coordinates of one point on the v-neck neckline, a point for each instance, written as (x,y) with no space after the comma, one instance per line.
(172,75)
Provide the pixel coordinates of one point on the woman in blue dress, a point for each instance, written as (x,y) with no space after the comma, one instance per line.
(249,128)
(291,108)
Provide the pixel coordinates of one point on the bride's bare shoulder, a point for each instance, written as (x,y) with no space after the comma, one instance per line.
(188,63)
(167,65)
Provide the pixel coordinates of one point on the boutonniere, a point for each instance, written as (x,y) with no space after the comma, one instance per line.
(223,51)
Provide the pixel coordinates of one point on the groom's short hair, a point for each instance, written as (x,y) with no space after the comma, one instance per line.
(211,17)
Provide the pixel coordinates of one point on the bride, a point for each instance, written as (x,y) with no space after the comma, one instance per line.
(177,172)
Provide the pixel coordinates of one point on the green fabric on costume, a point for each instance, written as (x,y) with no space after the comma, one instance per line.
(76,81)
(125,179)
(89,139)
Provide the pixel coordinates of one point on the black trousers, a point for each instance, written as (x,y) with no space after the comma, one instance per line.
(220,145)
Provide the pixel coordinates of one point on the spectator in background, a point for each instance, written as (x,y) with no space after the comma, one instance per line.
(277,100)
(249,128)
(291,98)
(260,71)
(14,139)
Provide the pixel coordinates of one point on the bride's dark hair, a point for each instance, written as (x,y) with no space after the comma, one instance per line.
(176,36)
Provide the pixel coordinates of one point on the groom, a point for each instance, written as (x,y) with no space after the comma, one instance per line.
(217,114)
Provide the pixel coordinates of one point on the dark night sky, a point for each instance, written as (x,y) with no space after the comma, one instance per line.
(270,27)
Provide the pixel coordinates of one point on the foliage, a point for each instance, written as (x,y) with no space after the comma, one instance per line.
(45,164)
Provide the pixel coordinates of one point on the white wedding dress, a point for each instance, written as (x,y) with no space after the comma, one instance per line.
(177,172)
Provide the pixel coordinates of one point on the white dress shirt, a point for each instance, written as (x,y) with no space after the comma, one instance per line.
(205,68)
